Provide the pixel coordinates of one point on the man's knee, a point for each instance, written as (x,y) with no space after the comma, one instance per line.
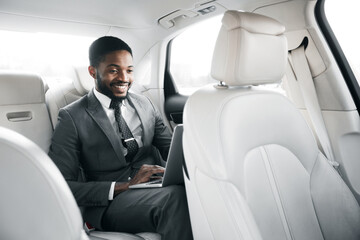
(176,193)
(174,201)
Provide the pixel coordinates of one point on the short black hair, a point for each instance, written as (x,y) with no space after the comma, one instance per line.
(104,45)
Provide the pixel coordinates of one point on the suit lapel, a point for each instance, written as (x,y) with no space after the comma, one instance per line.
(98,114)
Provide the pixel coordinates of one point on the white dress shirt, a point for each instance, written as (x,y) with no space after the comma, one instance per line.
(131,118)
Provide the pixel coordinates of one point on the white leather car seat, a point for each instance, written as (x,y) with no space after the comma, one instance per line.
(64,93)
(254,168)
(23,107)
(36,202)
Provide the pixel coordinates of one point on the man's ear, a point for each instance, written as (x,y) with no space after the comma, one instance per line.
(92,71)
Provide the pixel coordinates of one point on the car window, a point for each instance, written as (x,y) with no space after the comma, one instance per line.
(191,55)
(343,17)
(52,56)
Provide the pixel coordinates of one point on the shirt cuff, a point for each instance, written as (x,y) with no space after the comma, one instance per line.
(111,192)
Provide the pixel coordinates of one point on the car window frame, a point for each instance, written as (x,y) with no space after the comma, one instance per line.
(338,53)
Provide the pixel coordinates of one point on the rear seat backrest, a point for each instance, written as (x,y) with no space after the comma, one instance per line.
(63,94)
(23,108)
(84,82)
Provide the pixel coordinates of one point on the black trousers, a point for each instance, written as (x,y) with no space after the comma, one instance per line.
(161,210)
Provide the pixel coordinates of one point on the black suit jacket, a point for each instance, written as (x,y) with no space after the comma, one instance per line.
(84,138)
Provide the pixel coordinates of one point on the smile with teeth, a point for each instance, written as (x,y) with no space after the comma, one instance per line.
(120,85)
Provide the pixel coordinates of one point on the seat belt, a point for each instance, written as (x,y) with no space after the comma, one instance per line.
(303,75)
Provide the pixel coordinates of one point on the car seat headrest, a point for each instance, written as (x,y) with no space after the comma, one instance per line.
(83,81)
(251,49)
(21,88)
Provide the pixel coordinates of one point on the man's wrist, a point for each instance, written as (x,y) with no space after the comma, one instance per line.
(120,187)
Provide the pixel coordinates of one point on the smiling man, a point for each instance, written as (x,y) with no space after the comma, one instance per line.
(111,139)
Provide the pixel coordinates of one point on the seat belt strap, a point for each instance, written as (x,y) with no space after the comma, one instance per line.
(307,87)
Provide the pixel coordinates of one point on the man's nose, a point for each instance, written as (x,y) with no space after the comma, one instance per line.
(123,76)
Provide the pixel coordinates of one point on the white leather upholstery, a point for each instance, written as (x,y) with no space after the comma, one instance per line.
(255,171)
(65,93)
(114,236)
(84,82)
(124,236)
(36,202)
(241,36)
(23,107)
(149,236)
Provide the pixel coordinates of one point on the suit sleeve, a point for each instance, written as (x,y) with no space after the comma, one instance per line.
(162,134)
(65,152)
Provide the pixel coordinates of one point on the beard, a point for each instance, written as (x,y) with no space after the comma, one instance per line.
(101,87)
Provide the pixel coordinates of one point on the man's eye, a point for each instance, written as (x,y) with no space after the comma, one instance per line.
(130,71)
(113,71)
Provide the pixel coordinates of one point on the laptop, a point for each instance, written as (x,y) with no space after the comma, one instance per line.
(173,174)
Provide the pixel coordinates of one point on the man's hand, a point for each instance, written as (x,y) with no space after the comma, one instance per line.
(144,174)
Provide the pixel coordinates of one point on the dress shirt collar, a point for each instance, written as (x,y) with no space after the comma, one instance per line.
(105,100)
